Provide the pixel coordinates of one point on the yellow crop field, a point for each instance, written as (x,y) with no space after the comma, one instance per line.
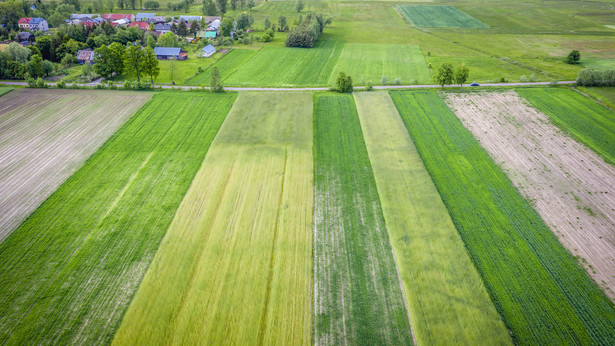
(447,301)
(236,264)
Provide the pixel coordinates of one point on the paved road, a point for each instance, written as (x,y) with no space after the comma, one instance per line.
(379,87)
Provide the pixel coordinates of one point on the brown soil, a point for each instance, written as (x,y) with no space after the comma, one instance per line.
(569,185)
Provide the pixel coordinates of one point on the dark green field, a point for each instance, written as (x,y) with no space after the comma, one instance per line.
(438,17)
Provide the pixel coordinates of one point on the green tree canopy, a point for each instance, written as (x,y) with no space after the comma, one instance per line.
(444,75)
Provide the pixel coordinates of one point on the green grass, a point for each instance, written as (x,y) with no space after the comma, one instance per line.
(438,17)
(587,121)
(598,64)
(281,66)
(358,298)
(606,95)
(369,62)
(486,69)
(5,90)
(543,295)
(447,299)
(227,65)
(236,264)
(71,269)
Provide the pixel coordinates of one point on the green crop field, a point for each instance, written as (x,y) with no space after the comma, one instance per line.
(71,269)
(278,66)
(227,65)
(543,295)
(438,17)
(236,264)
(358,298)
(437,273)
(367,63)
(587,121)
(4,90)
(604,95)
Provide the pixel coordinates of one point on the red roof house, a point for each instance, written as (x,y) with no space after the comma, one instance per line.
(116,16)
(140,25)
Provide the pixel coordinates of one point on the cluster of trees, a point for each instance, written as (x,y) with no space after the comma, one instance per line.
(306,33)
(282,24)
(589,77)
(343,83)
(17,62)
(131,60)
(219,7)
(447,75)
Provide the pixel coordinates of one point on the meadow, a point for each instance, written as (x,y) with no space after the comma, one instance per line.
(71,269)
(542,294)
(357,292)
(587,121)
(227,65)
(438,17)
(447,300)
(236,263)
(46,136)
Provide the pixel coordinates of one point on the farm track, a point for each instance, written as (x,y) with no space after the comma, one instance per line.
(357,292)
(46,136)
(236,264)
(71,269)
(447,300)
(571,187)
(542,294)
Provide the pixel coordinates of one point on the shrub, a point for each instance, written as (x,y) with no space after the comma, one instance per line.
(503,80)
(532,77)
(523,79)
(573,57)
(397,81)
(61,84)
(343,84)
(383,80)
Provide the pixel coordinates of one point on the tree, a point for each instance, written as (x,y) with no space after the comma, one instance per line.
(282,25)
(133,4)
(343,84)
(234,4)
(244,21)
(120,4)
(10,12)
(67,60)
(209,8)
(17,52)
(168,39)
(56,19)
(150,64)
(151,41)
(251,4)
(133,62)
(267,23)
(182,29)
(172,68)
(268,35)
(194,28)
(226,27)
(110,5)
(444,75)
(216,82)
(573,57)
(87,70)
(34,68)
(461,75)
(221,5)
(300,6)
(47,67)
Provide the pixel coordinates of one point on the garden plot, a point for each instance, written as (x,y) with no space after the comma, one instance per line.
(46,136)
(570,186)
(236,264)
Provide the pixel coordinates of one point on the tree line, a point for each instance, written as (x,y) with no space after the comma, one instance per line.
(307,32)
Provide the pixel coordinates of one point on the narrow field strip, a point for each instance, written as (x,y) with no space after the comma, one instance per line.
(543,295)
(428,16)
(447,300)
(227,65)
(46,136)
(281,66)
(357,294)
(367,63)
(236,264)
(587,121)
(71,269)
(571,187)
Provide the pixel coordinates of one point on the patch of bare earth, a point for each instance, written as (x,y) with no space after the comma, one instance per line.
(570,186)
(45,136)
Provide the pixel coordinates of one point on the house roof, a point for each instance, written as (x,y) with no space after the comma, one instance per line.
(209,19)
(168,51)
(36,20)
(24,20)
(83,15)
(23,36)
(210,34)
(215,25)
(141,25)
(147,16)
(161,27)
(190,18)
(85,54)
(209,49)
(117,16)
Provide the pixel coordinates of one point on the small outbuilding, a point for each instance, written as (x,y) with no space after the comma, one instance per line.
(165,53)
(207,51)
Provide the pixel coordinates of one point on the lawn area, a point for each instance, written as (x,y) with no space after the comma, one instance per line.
(587,121)
(543,295)
(281,66)
(71,269)
(227,65)
(367,63)
(358,297)
(447,300)
(236,264)
(46,136)
(605,95)
(438,17)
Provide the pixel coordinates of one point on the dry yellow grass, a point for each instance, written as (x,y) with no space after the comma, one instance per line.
(236,264)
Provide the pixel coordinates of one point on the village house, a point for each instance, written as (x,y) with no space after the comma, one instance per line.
(141,25)
(145,17)
(165,53)
(190,19)
(85,55)
(112,17)
(33,24)
(24,38)
(162,28)
(207,51)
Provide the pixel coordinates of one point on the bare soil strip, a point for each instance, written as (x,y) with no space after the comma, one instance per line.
(46,136)
(570,186)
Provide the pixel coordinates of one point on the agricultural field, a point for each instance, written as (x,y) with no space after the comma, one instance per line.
(447,300)
(585,120)
(543,295)
(71,269)
(227,65)
(438,17)
(604,95)
(570,187)
(368,63)
(357,293)
(236,264)
(5,90)
(46,136)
